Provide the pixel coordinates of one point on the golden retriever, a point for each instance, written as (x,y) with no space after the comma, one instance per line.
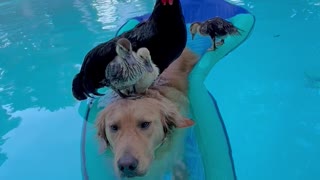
(135,129)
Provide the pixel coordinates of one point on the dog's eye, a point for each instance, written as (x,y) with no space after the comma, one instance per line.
(145,125)
(114,128)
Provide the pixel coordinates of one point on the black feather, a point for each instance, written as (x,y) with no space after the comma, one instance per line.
(77,87)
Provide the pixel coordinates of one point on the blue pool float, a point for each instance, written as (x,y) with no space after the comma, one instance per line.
(208,139)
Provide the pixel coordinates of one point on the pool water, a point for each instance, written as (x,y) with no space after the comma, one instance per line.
(270,106)
(268,89)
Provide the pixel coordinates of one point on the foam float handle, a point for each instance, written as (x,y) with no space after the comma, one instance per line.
(215,147)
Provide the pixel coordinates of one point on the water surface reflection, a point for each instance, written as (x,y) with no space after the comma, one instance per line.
(42,45)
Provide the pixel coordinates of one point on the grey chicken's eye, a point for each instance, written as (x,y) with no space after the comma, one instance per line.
(123,48)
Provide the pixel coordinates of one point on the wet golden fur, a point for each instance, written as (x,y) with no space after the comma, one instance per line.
(164,105)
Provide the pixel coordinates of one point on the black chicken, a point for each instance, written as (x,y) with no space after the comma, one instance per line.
(164,34)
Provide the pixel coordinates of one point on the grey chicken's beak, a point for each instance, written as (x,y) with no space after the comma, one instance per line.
(193,36)
(148,66)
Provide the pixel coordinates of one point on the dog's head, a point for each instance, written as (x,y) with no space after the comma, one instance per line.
(134,129)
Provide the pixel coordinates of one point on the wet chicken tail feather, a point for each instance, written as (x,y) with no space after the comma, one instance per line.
(90,88)
(78,90)
(82,89)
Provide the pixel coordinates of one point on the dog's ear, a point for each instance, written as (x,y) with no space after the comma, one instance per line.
(101,131)
(172,118)
(184,123)
(176,119)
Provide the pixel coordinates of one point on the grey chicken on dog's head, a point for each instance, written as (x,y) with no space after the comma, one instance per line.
(125,70)
(145,58)
(123,47)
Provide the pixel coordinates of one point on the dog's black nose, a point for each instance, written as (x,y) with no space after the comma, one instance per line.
(128,164)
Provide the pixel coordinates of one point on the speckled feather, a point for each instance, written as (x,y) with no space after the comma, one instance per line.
(120,75)
(218,27)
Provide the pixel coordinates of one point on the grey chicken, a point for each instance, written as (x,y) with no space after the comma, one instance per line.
(143,55)
(124,71)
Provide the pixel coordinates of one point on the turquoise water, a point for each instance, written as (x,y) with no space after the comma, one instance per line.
(270,107)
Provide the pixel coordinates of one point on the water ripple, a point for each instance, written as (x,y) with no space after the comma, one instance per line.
(112,14)
(5,42)
(87,15)
(106,11)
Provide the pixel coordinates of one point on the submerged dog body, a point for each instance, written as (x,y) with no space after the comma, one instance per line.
(135,129)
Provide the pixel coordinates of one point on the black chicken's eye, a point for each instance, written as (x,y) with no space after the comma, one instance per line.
(145,125)
(114,128)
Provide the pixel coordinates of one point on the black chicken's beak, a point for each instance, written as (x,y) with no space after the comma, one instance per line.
(148,66)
